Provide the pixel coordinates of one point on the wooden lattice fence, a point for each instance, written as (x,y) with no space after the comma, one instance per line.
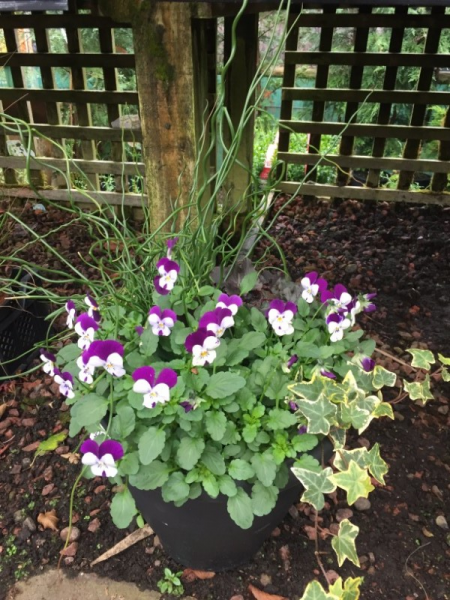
(104,146)
(430,56)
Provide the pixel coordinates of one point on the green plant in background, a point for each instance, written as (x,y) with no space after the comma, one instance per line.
(171,583)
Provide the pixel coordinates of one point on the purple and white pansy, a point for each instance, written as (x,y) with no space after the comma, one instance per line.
(93,308)
(338,298)
(217,321)
(368,364)
(368,305)
(280,316)
(312,285)
(231,302)
(107,354)
(71,310)
(85,327)
(49,361)
(168,274)
(65,382)
(202,344)
(161,321)
(156,391)
(86,371)
(102,458)
(336,324)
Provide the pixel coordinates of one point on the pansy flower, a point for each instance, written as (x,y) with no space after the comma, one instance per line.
(217,321)
(101,458)
(339,298)
(170,244)
(161,321)
(85,327)
(86,371)
(368,364)
(93,309)
(328,374)
(139,330)
(302,430)
(49,361)
(202,344)
(353,308)
(286,368)
(368,305)
(312,285)
(70,308)
(65,382)
(231,302)
(168,273)
(107,354)
(188,406)
(156,391)
(336,325)
(280,316)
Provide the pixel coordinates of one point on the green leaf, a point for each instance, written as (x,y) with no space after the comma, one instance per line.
(343,458)
(149,342)
(206,290)
(248,282)
(419,390)
(216,424)
(314,591)
(240,469)
(382,377)
(123,509)
(68,353)
(350,591)
(213,460)
(151,444)
(189,452)
(304,442)
(265,468)
(377,466)
(422,359)
(151,476)
(303,307)
(352,414)
(235,354)
(344,543)
(280,418)
(211,485)
(227,485)
(355,481)
(224,384)
(308,462)
(90,409)
(129,465)
(175,488)
(135,360)
(136,400)
(263,499)
(252,340)
(444,360)
(249,433)
(127,421)
(240,509)
(445,374)
(319,413)
(50,443)
(259,321)
(316,485)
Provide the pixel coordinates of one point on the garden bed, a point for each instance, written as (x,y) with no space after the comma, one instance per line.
(400,251)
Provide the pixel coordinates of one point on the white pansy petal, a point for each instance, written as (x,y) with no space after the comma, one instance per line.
(78,329)
(345,298)
(288,315)
(332,326)
(162,270)
(162,391)
(273,314)
(95,361)
(307,296)
(89,459)
(58,379)
(153,320)
(115,359)
(118,371)
(98,470)
(345,324)
(213,327)
(168,322)
(111,471)
(337,335)
(142,386)
(227,322)
(305,282)
(211,342)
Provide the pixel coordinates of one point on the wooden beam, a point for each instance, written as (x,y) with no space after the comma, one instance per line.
(64,21)
(10,95)
(368,59)
(376,20)
(44,59)
(77,196)
(372,96)
(101,134)
(439,181)
(109,167)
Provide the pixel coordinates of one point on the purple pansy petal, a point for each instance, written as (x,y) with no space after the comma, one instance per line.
(370,296)
(147,373)
(339,289)
(155,310)
(70,305)
(334,318)
(162,291)
(368,364)
(168,264)
(292,361)
(167,376)
(45,355)
(277,305)
(311,277)
(326,295)
(328,374)
(86,322)
(303,429)
(187,406)
(90,301)
(197,338)
(323,284)
(111,447)
(169,314)
(139,329)
(370,308)
(90,446)
(67,376)
(171,243)
(293,406)
(290,306)
(230,300)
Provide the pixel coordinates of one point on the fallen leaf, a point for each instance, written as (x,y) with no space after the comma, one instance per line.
(260,595)
(427,533)
(130,540)
(73,458)
(31,447)
(71,549)
(48,520)
(190,575)
(3,407)
(47,489)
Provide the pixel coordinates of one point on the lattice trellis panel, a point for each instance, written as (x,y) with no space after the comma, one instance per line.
(375,108)
(73,95)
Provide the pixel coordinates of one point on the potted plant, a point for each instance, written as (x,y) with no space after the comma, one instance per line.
(202,409)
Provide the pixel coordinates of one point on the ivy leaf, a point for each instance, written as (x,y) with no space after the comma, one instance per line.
(265,468)
(264,499)
(344,457)
(444,360)
(151,444)
(189,452)
(383,409)
(319,413)
(309,463)
(422,359)
(224,384)
(240,509)
(377,466)
(445,374)
(89,410)
(350,590)
(216,424)
(240,469)
(355,416)
(344,543)
(175,489)
(280,418)
(382,377)
(418,390)
(355,481)
(123,509)
(314,591)
(316,485)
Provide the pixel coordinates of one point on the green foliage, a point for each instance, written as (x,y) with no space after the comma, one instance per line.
(171,583)
(344,543)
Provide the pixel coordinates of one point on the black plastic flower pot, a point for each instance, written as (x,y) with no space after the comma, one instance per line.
(201,535)
(22,326)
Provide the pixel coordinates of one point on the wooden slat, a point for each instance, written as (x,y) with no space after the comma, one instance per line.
(43,59)
(376,20)
(372,96)
(369,130)
(370,59)
(66,21)
(359,193)
(77,196)
(72,96)
(366,162)
(103,134)
(88,166)
(439,181)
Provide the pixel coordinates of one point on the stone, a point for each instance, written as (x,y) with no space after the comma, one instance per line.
(238,597)
(362,504)
(265,579)
(293,511)
(74,534)
(276,532)
(343,513)
(29,524)
(441,521)
(19,516)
